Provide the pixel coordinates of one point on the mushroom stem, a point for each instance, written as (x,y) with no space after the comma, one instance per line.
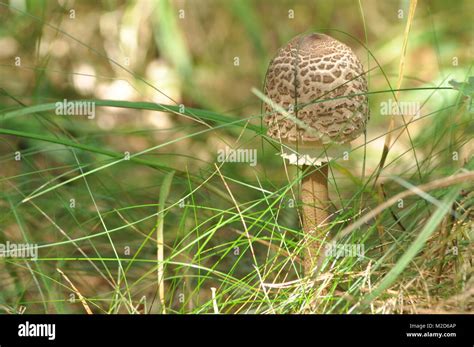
(314,195)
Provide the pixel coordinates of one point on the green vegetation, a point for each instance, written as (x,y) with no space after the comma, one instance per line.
(133,213)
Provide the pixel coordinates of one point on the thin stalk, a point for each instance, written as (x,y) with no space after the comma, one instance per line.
(314,195)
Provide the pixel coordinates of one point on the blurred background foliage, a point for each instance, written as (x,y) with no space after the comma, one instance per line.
(187,52)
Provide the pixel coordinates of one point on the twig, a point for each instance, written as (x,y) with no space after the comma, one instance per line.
(81,298)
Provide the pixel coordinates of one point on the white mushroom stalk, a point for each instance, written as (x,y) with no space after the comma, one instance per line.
(317,87)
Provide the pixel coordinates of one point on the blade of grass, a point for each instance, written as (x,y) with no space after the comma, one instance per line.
(164,192)
(401,67)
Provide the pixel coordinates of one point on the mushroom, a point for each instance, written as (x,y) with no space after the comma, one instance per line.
(317,87)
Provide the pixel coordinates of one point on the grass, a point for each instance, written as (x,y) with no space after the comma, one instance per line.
(137,219)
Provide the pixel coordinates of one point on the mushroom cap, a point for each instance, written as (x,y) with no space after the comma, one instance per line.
(308,69)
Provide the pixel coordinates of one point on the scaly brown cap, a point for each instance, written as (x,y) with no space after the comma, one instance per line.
(308,69)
